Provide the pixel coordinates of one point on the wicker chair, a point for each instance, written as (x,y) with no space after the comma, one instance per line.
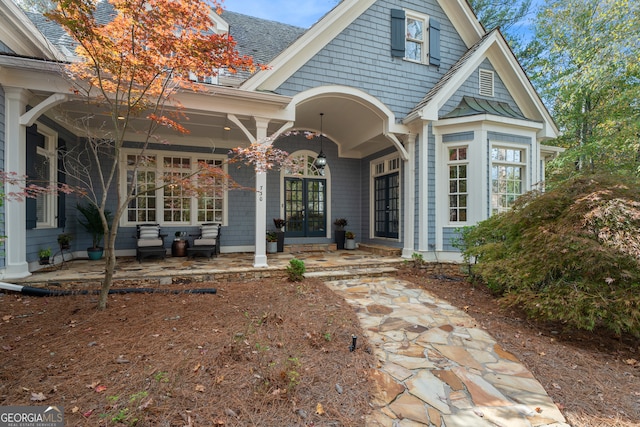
(207,243)
(149,242)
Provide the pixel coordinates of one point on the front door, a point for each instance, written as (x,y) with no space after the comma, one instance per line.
(387,205)
(305,207)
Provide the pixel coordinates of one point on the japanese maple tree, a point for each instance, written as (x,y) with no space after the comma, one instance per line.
(131,67)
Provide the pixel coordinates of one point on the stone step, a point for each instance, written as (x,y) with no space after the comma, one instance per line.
(351,273)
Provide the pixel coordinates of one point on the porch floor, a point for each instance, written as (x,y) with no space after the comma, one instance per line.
(224,267)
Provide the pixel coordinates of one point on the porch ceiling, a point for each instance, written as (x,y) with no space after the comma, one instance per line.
(356,128)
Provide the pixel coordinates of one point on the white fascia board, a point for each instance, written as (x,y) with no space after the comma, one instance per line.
(22,36)
(518,84)
(464,20)
(310,43)
(490,119)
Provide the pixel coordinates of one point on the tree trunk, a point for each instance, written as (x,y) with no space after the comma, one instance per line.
(109,271)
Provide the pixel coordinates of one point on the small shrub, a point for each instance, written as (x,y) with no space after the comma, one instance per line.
(296,270)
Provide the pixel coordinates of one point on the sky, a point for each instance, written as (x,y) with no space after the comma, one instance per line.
(301,13)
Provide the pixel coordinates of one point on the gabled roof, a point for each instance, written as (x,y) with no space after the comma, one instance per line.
(494,47)
(21,36)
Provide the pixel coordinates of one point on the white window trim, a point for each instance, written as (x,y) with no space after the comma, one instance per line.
(124,222)
(523,163)
(449,163)
(50,153)
(388,169)
(424,59)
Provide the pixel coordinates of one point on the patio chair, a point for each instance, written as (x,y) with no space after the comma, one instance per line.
(150,243)
(208,241)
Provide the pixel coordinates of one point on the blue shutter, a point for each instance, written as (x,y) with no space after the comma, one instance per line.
(62,178)
(434,42)
(397,33)
(33,140)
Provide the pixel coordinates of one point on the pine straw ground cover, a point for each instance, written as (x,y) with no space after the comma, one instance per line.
(263,353)
(267,353)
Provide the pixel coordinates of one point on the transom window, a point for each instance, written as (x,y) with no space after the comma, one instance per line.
(416,37)
(507,177)
(458,188)
(172,204)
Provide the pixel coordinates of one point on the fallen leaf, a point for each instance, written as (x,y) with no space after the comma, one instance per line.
(219,379)
(144,405)
(74,410)
(631,362)
(200,388)
(7,317)
(195,368)
(93,384)
(319,409)
(88,413)
(38,397)
(539,410)
(121,359)
(100,388)
(556,386)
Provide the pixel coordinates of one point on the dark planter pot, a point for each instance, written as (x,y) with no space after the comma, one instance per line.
(95,253)
(280,235)
(44,261)
(179,248)
(340,238)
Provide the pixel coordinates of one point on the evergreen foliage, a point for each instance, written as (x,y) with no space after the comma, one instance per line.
(570,255)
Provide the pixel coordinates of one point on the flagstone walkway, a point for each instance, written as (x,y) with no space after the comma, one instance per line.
(437,368)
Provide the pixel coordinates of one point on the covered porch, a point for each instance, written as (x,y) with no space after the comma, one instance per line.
(84,274)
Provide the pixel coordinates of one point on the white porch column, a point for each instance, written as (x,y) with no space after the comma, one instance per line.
(260,257)
(15,159)
(409,197)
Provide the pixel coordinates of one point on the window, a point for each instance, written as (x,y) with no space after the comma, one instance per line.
(46,171)
(507,177)
(415,37)
(458,175)
(173,204)
(486,82)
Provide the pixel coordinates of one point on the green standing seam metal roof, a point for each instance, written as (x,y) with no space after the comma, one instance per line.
(470,106)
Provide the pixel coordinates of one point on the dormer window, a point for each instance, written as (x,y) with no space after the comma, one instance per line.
(415,37)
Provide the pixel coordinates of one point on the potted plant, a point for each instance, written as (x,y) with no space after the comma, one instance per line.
(280,223)
(350,240)
(64,240)
(340,223)
(93,225)
(272,242)
(44,255)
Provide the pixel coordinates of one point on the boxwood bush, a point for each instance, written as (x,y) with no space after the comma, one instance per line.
(571,254)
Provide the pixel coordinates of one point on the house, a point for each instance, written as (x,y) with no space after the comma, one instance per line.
(430,125)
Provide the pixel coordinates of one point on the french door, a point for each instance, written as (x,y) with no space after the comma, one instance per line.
(387,205)
(305,207)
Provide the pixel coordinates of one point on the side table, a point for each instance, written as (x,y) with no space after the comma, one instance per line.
(179,248)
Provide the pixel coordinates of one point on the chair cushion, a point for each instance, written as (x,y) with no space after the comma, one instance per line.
(209,231)
(148,242)
(149,232)
(205,242)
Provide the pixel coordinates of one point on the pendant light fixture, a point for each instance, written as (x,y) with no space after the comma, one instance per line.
(321,160)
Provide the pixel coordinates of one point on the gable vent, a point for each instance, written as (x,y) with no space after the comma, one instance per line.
(486,83)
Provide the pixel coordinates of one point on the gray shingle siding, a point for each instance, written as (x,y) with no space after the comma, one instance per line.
(471,87)
(5,49)
(365,63)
